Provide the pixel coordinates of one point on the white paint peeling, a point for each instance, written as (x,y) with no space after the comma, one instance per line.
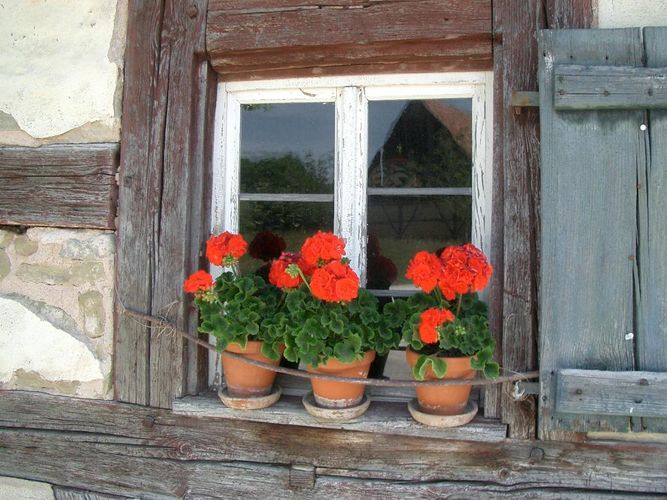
(55,72)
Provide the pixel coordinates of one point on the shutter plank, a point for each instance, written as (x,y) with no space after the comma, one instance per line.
(594,392)
(588,186)
(609,87)
(652,297)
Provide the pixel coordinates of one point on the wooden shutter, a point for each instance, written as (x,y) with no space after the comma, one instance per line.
(603,301)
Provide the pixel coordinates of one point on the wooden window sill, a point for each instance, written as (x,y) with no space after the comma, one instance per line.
(387,414)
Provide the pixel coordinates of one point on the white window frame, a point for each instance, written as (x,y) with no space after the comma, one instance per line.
(351,95)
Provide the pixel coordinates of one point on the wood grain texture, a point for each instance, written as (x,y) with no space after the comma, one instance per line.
(122,449)
(492,394)
(164,205)
(569,14)
(589,202)
(70,185)
(609,87)
(594,392)
(382,418)
(520,22)
(652,308)
(249,40)
(74,494)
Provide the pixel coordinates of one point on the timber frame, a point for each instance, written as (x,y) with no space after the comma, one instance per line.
(137,446)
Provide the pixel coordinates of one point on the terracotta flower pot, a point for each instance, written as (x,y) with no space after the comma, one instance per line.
(330,394)
(244,380)
(445,399)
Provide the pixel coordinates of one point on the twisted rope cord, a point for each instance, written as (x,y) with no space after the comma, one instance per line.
(168,326)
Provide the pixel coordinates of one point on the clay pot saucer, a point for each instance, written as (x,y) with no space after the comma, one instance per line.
(252,403)
(442,420)
(335,414)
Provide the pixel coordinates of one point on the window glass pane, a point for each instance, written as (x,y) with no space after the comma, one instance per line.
(287,148)
(291,221)
(400,226)
(420,143)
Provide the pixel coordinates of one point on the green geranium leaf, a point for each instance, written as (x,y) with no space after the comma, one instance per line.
(344,352)
(419,370)
(439,367)
(492,370)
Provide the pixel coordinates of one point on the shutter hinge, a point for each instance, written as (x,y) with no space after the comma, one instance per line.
(522,389)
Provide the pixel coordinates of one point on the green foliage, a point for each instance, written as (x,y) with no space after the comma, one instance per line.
(316,330)
(237,311)
(467,335)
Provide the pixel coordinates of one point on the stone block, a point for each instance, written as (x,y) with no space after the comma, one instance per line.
(92,309)
(24,246)
(43,273)
(6,238)
(5,264)
(99,246)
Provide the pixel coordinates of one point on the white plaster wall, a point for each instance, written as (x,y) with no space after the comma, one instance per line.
(60,70)
(15,489)
(631,13)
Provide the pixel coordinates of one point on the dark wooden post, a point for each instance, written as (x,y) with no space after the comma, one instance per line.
(516,191)
(163,199)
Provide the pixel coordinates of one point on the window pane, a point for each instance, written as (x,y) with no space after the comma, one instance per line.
(287,148)
(413,144)
(400,226)
(291,221)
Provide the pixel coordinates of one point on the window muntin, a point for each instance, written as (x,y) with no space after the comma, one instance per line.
(352,97)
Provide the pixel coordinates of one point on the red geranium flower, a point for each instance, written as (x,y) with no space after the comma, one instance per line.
(465,269)
(266,246)
(425,269)
(322,248)
(225,248)
(197,282)
(278,276)
(335,282)
(430,321)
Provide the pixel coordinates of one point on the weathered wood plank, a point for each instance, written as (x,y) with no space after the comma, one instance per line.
(60,493)
(594,392)
(521,20)
(609,87)
(589,188)
(359,37)
(568,14)
(117,448)
(381,417)
(138,201)
(652,308)
(492,394)
(71,185)
(164,197)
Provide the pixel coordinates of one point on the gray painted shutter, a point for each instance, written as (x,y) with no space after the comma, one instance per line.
(603,300)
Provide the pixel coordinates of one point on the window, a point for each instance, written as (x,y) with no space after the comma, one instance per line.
(399,162)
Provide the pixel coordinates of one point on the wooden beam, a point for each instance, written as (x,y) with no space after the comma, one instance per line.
(165,176)
(609,87)
(64,185)
(595,392)
(269,39)
(516,167)
(122,449)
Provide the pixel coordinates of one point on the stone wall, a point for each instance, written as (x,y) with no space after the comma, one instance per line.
(631,13)
(60,82)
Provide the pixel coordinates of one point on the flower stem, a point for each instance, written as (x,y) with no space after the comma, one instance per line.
(458,306)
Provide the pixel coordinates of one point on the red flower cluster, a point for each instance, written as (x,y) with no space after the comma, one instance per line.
(197,282)
(465,269)
(224,248)
(430,320)
(266,246)
(458,270)
(335,282)
(322,248)
(425,271)
(278,276)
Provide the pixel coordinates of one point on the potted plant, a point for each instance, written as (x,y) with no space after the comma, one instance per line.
(233,308)
(446,325)
(329,323)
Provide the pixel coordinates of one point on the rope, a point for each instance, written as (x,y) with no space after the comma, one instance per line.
(514,377)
